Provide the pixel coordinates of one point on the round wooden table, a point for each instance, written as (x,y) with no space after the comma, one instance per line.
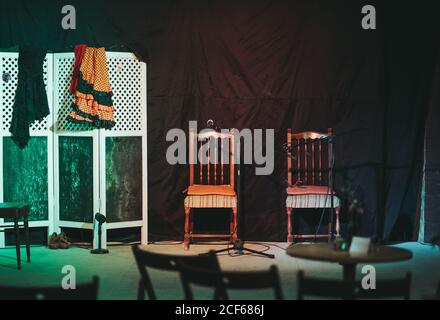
(325,252)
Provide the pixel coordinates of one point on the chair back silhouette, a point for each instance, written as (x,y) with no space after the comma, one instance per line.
(86,291)
(387,289)
(211,180)
(222,281)
(145,259)
(328,288)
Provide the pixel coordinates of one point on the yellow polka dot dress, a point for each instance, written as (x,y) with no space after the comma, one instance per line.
(93,105)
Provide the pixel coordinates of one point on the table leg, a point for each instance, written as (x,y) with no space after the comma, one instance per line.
(349,272)
(17,242)
(27,238)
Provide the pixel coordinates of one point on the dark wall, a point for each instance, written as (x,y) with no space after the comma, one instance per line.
(431,226)
(306,65)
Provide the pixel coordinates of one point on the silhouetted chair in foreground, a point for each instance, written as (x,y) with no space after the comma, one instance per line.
(166,262)
(386,289)
(435,296)
(328,288)
(222,281)
(86,291)
(15,211)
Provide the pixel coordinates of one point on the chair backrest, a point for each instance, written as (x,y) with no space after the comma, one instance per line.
(328,288)
(86,291)
(211,158)
(166,262)
(389,288)
(221,281)
(393,288)
(311,157)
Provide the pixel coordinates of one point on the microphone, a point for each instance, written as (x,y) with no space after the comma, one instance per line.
(291,150)
(211,125)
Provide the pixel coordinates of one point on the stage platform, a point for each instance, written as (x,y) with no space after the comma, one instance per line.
(119,275)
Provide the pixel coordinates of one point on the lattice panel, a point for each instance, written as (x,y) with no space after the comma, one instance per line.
(64,67)
(9,71)
(126,81)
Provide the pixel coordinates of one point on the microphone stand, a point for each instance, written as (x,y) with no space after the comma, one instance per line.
(331,183)
(239,245)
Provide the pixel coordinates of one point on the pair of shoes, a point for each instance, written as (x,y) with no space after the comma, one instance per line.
(58,241)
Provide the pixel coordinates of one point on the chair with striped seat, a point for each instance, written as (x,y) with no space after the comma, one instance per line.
(213,185)
(308,164)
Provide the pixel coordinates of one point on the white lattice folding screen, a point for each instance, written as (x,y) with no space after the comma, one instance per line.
(83,171)
(18,176)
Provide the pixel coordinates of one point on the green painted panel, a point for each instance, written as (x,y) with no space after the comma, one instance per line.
(25,175)
(123,158)
(76,178)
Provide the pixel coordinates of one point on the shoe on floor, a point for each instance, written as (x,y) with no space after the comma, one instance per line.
(54,242)
(63,242)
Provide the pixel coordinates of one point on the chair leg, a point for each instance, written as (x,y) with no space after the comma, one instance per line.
(338,227)
(231,229)
(141,291)
(186,240)
(234,224)
(27,238)
(289,226)
(17,242)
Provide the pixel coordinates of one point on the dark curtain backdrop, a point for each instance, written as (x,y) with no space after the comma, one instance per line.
(307,65)
(430,227)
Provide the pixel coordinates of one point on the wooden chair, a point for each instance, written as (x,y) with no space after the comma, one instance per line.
(213,185)
(389,288)
(308,178)
(328,288)
(166,262)
(86,291)
(15,211)
(222,281)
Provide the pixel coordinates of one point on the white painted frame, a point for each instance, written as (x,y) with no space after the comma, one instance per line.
(33,133)
(54,224)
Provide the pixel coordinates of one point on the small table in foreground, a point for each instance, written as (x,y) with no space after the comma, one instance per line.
(325,252)
(14,211)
